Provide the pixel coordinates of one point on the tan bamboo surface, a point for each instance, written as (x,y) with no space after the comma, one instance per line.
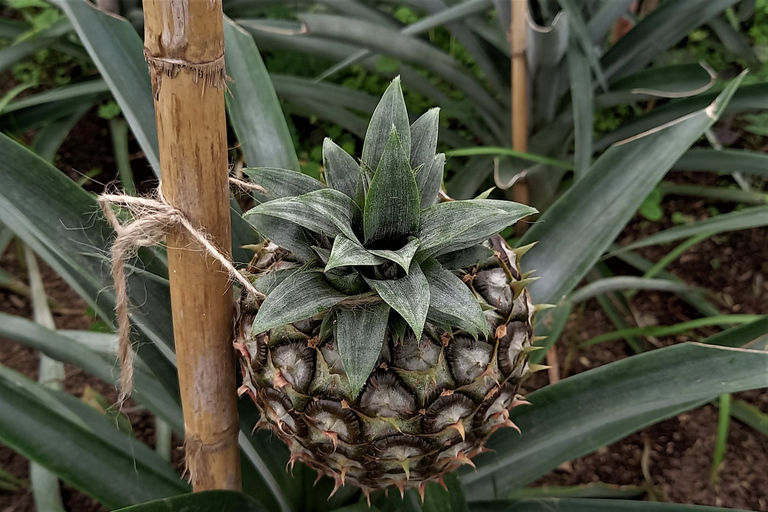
(517,37)
(184,46)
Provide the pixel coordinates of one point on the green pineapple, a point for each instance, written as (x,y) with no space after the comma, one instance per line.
(396,327)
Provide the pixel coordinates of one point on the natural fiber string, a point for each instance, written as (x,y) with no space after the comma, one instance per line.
(152,220)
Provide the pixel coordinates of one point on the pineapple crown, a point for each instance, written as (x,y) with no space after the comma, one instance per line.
(374,240)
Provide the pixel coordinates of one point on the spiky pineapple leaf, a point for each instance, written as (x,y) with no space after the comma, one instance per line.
(359,335)
(324,211)
(346,252)
(254,111)
(429,179)
(282,182)
(341,170)
(424,138)
(455,225)
(465,257)
(389,112)
(392,202)
(287,235)
(408,295)
(402,256)
(300,296)
(269,281)
(207,501)
(451,303)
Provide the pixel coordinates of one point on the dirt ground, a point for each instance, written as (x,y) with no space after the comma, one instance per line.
(679,449)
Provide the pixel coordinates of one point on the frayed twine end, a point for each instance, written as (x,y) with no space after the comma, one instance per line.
(153,219)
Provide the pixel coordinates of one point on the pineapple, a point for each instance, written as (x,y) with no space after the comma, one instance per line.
(394,327)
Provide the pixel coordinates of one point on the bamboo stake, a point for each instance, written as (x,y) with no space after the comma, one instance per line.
(184,46)
(517,37)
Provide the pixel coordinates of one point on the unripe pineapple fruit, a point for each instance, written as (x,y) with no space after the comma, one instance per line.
(393,329)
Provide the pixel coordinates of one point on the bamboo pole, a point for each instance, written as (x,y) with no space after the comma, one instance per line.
(184,46)
(517,37)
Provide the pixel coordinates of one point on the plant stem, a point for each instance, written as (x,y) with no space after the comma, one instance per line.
(184,45)
(723,421)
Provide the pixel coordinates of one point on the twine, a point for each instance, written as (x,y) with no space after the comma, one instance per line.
(153,219)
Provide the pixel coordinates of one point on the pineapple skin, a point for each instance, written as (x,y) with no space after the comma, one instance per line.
(428,407)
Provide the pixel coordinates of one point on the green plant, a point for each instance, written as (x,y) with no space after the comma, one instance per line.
(364,274)
(566,420)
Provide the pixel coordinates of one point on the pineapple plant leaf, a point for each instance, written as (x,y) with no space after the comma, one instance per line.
(341,170)
(359,333)
(279,183)
(392,201)
(405,386)
(389,113)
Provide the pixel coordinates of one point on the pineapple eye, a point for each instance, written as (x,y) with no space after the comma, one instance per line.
(416,356)
(385,396)
(468,358)
(511,345)
(329,416)
(279,410)
(296,363)
(493,286)
(447,410)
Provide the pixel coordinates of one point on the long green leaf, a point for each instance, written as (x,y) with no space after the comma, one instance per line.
(749,97)
(34,196)
(22,49)
(610,284)
(45,485)
(77,456)
(206,501)
(669,23)
(750,415)
(58,219)
(664,330)
(583,109)
(117,50)
(253,106)
(742,219)
(63,347)
(408,295)
(581,35)
(501,151)
(359,334)
(724,161)
(596,408)
(302,295)
(448,499)
(589,505)
(575,231)
(410,49)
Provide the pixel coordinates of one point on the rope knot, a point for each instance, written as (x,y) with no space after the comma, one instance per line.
(151,219)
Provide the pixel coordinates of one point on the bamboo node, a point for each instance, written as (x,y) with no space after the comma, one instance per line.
(211,73)
(152,219)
